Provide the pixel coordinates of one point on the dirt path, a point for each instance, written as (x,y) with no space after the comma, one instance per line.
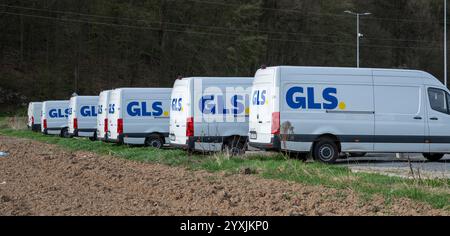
(43,179)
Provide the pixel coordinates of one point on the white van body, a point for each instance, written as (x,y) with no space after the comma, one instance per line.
(34,115)
(138,115)
(82,120)
(362,110)
(209,112)
(54,116)
(102,115)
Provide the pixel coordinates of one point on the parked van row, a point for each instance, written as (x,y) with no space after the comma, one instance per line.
(317,110)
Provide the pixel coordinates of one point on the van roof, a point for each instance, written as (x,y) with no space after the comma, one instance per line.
(345,70)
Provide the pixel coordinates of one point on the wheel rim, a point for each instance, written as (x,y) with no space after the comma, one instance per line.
(326,152)
(155,144)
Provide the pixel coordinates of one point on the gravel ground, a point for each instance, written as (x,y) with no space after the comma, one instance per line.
(43,179)
(390,165)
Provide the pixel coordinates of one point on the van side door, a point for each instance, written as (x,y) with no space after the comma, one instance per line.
(400,114)
(438,120)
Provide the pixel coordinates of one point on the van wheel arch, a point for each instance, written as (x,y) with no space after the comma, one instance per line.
(235,145)
(332,140)
(327,136)
(155,137)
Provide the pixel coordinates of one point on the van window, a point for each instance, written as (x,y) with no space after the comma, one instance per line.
(438,100)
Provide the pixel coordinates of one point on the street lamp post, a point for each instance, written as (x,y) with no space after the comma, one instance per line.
(358,34)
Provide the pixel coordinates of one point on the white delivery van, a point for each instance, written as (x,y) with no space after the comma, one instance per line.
(210,114)
(326,111)
(34,116)
(139,116)
(102,115)
(54,117)
(83,116)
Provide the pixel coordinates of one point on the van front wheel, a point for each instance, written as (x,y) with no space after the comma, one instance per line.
(433,156)
(154,141)
(326,151)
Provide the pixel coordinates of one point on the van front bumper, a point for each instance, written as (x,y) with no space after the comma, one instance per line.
(274,145)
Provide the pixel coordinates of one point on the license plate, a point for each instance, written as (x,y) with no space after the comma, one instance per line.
(253,135)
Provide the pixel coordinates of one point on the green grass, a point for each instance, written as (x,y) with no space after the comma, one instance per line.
(435,192)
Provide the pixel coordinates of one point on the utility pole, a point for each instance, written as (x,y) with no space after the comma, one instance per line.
(358,34)
(445,42)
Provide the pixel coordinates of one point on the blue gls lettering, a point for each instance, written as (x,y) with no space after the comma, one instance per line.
(207,105)
(88,111)
(259,97)
(177,104)
(157,109)
(239,106)
(329,95)
(141,109)
(100,109)
(210,105)
(112,108)
(58,113)
(296,99)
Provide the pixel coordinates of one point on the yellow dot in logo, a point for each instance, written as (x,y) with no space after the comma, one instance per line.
(342,106)
(166,113)
(267,101)
(182,109)
(247,110)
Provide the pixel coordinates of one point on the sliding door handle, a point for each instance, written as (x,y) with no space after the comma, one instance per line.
(434,118)
(417,118)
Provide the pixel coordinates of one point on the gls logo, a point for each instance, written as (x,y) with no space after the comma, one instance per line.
(100,109)
(111,108)
(259,97)
(88,111)
(296,99)
(177,104)
(209,105)
(58,113)
(141,109)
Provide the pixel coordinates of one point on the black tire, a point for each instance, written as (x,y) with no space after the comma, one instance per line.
(65,133)
(154,141)
(433,156)
(358,154)
(93,138)
(326,151)
(234,146)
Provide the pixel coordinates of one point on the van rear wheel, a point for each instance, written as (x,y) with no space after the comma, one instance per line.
(433,156)
(65,133)
(154,141)
(234,147)
(326,151)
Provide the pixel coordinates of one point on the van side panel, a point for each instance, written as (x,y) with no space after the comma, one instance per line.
(56,114)
(400,115)
(84,109)
(145,111)
(338,103)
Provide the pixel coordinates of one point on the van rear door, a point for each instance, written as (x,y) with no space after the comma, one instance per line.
(262,106)
(180,111)
(114,114)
